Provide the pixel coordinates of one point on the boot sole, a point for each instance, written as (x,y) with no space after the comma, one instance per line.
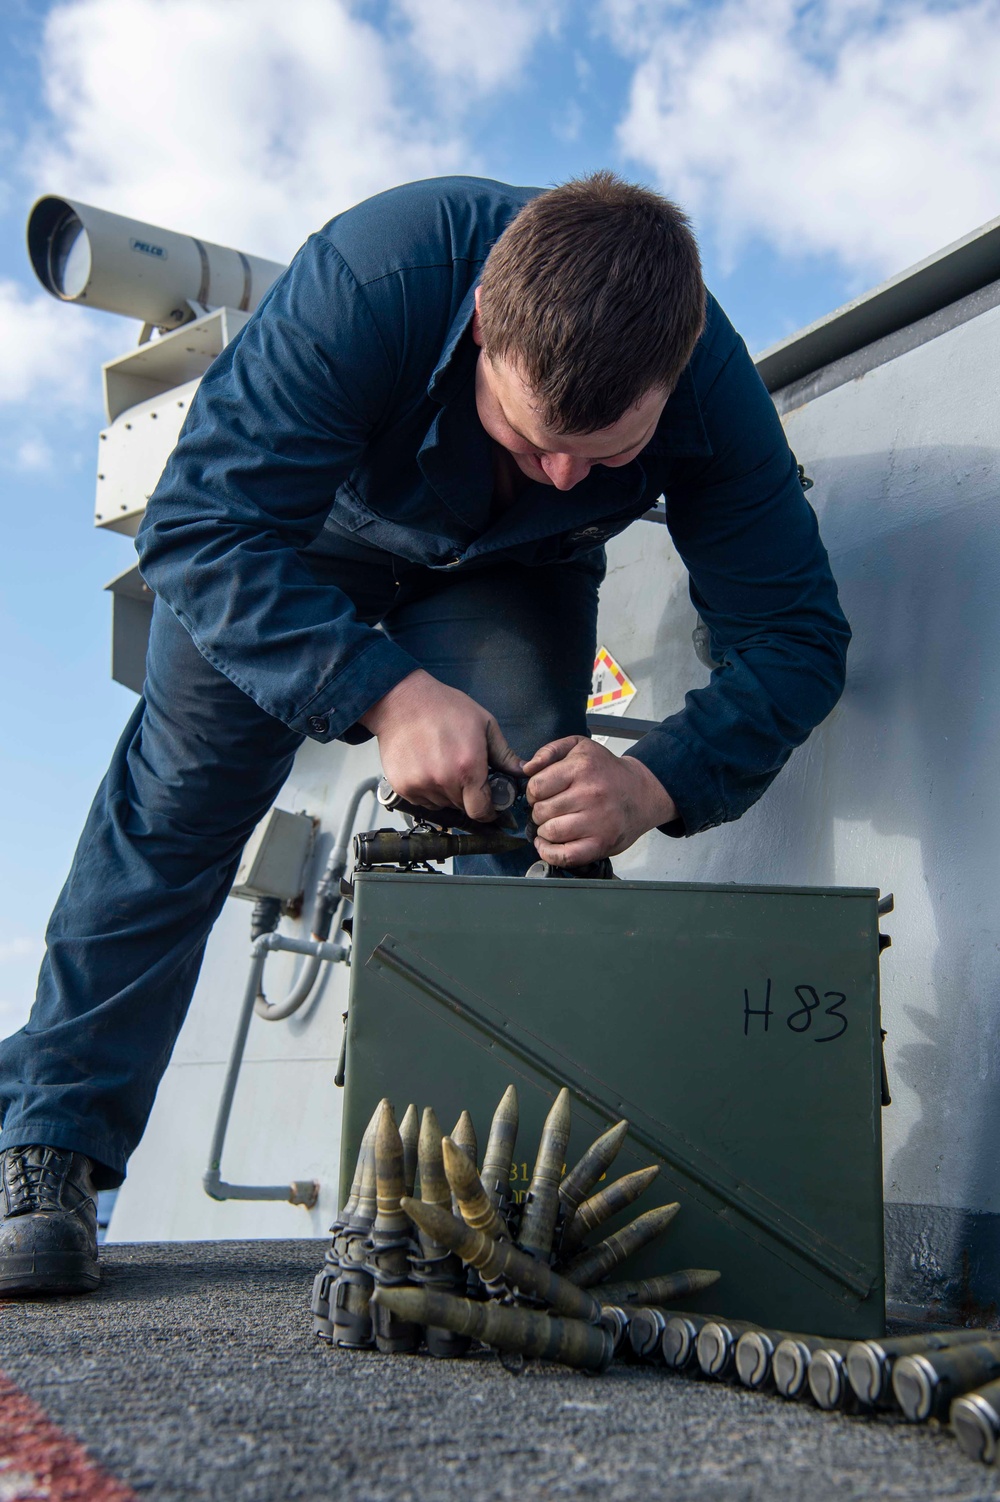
(29,1274)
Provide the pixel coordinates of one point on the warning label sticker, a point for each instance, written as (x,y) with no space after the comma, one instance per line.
(611,689)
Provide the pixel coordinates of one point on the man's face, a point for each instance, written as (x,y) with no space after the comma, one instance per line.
(509,413)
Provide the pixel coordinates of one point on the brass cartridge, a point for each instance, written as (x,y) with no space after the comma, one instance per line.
(434,1186)
(389,1246)
(926,1384)
(870,1362)
(975,1419)
(350,1313)
(469,1198)
(790,1362)
(589,1266)
(494,1260)
(362,1198)
(607,1202)
(667,1289)
(366,1205)
(645,1333)
(408,1130)
(679,1342)
(827,1376)
(438,1267)
(541,1205)
(500,1149)
(326,1278)
(463,1134)
(528,1332)
(616,1321)
(592,1166)
(347,1208)
(390,1221)
(755,1357)
(716,1346)
(366,1148)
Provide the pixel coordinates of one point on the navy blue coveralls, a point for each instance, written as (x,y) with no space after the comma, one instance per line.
(333,477)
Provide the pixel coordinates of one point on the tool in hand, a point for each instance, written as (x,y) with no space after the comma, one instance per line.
(440,834)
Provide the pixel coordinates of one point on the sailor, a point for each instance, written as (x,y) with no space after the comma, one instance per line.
(386,516)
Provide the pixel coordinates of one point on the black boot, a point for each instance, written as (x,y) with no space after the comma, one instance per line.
(48,1232)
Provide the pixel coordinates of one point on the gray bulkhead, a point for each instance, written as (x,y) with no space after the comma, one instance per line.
(891,405)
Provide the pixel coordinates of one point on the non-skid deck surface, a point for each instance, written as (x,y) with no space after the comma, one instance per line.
(193,1374)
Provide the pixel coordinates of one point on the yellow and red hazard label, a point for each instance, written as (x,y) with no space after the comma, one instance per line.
(611,688)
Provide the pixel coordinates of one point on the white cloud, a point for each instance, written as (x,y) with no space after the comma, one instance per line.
(249,124)
(32,455)
(50,352)
(484,43)
(862,129)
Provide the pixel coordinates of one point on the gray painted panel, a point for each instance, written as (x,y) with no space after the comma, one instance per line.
(881,351)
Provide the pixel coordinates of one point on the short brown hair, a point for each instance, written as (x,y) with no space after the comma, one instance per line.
(594,294)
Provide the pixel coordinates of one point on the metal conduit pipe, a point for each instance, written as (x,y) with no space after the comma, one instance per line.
(277,1011)
(318,949)
(325,905)
(300,1191)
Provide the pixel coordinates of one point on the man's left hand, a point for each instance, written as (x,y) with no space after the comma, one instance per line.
(588,803)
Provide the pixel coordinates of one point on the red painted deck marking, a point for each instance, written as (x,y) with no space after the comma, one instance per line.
(41,1463)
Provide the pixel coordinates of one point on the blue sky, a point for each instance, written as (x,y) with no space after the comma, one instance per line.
(820,145)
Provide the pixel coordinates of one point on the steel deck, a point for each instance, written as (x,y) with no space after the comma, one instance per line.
(193,1374)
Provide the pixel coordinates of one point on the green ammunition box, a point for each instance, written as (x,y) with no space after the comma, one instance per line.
(736,1028)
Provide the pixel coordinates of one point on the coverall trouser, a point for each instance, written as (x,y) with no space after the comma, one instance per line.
(197,767)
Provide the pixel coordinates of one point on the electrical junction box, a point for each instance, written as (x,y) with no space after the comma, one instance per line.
(736,1028)
(274,857)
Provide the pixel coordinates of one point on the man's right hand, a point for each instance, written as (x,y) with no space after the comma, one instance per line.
(437,745)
